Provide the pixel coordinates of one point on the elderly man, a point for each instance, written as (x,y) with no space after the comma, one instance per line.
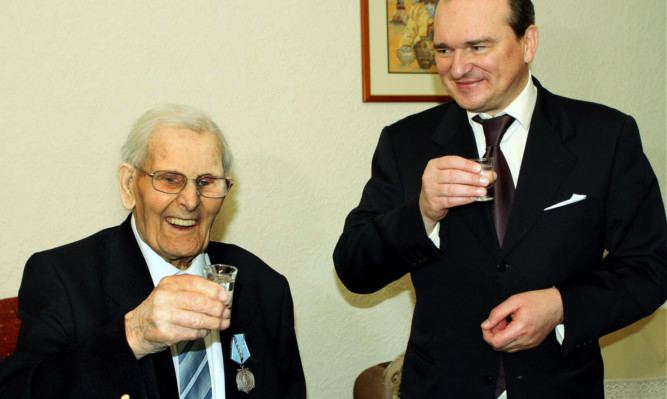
(126,312)
(512,294)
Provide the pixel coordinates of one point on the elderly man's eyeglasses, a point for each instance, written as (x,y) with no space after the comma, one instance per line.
(169,182)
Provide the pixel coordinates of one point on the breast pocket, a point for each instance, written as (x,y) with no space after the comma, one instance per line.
(577,211)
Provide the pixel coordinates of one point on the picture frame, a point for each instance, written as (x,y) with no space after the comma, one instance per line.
(404,83)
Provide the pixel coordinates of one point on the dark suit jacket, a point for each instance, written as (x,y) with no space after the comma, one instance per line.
(72,303)
(573,147)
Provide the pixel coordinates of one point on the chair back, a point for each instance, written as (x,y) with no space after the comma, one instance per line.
(9,325)
(382,381)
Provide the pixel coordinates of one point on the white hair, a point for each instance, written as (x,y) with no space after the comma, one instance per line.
(135,149)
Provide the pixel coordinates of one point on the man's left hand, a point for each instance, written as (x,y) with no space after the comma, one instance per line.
(524,320)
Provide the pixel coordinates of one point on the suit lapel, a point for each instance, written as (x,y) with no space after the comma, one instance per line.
(128,280)
(128,284)
(454,134)
(546,164)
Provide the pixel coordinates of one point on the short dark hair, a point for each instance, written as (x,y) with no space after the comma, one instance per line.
(522,15)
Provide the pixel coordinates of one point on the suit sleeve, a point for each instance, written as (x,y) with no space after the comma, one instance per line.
(384,237)
(292,369)
(631,281)
(50,360)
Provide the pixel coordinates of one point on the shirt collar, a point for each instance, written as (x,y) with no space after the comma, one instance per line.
(521,108)
(158,267)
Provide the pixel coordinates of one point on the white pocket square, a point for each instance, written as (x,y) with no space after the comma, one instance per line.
(572,200)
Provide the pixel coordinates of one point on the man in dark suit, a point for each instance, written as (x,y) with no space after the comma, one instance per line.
(107,316)
(509,303)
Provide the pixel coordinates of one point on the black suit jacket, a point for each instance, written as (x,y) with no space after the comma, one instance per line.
(72,303)
(573,147)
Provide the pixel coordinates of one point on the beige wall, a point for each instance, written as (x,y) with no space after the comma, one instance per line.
(283,79)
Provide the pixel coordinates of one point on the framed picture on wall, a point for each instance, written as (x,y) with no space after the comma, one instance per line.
(397,56)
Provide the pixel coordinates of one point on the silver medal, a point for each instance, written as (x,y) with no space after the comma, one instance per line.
(245,381)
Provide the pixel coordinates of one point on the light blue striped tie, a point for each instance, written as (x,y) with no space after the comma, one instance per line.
(193,370)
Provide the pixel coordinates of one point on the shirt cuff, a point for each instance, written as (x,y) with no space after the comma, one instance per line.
(435,235)
(560,333)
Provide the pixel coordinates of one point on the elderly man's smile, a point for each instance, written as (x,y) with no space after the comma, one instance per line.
(181,222)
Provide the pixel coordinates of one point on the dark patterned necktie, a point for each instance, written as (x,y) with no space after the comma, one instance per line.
(193,373)
(494,129)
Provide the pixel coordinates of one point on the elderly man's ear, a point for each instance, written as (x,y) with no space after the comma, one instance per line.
(126,185)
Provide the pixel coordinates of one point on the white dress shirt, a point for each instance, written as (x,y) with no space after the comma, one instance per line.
(159,268)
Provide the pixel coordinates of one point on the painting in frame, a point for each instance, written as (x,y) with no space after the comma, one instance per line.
(398,62)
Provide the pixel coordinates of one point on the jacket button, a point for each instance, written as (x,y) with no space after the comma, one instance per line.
(502,266)
(488,380)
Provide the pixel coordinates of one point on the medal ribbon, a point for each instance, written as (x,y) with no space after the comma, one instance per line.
(240,351)
(245,380)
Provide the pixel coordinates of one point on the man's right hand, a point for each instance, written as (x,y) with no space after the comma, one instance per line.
(447,182)
(180,308)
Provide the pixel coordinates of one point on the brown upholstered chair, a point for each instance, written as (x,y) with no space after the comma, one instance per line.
(381,381)
(9,326)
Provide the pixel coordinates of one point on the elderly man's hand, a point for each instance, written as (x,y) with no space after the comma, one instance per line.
(447,182)
(534,314)
(180,308)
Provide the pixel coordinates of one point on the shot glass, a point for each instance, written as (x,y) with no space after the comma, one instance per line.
(487,170)
(225,275)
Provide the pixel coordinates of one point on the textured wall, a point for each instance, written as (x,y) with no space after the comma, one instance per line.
(283,79)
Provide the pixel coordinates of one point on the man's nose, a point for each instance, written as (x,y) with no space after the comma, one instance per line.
(461,64)
(189,196)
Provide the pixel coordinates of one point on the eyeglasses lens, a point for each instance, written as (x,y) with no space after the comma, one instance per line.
(173,183)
